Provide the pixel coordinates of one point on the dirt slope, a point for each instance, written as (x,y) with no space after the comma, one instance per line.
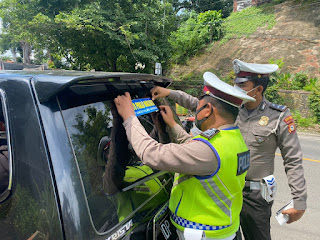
(295,37)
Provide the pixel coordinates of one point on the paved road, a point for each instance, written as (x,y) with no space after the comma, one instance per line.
(307,228)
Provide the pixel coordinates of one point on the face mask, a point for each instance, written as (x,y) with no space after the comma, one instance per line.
(198,123)
(243,91)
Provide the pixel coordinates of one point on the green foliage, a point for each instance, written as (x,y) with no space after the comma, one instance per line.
(19,59)
(246,22)
(194,34)
(299,81)
(288,81)
(5,58)
(279,62)
(284,81)
(51,64)
(311,85)
(301,121)
(91,34)
(272,95)
(314,102)
(229,78)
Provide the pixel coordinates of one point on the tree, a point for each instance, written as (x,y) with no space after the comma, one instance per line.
(194,34)
(109,35)
(15,15)
(104,35)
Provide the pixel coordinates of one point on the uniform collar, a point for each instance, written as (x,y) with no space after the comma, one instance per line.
(262,107)
(222,127)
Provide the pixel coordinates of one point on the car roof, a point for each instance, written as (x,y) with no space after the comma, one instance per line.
(50,83)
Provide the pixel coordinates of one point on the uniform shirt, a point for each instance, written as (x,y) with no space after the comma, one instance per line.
(263,142)
(267,127)
(189,157)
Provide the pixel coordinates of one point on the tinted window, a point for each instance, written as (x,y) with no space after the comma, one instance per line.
(29,210)
(109,167)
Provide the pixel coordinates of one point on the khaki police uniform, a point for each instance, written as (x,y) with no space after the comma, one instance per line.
(264,129)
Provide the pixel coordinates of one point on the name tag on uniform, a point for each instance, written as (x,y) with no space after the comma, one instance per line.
(243,162)
(143,106)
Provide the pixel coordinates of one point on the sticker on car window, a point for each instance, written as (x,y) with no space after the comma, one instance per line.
(121,231)
(143,106)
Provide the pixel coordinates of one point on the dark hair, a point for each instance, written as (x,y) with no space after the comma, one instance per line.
(225,110)
(263,81)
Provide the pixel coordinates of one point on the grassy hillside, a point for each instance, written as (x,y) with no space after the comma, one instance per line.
(289,30)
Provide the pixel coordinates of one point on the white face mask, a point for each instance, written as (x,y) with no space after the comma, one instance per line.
(245,92)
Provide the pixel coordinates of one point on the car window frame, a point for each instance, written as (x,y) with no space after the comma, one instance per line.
(8,192)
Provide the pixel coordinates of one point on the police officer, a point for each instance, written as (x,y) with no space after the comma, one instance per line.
(206,198)
(264,127)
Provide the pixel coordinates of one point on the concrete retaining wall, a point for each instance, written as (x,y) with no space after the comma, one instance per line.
(297,100)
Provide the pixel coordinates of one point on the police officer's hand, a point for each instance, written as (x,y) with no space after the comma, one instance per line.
(167,115)
(159,92)
(124,106)
(294,214)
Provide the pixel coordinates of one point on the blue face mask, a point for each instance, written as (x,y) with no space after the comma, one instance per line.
(198,123)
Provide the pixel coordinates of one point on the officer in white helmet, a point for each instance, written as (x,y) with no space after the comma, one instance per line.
(266,126)
(206,198)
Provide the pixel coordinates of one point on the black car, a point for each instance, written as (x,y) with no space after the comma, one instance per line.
(67,170)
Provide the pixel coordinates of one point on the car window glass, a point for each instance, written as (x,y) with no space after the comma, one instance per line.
(5,161)
(108,164)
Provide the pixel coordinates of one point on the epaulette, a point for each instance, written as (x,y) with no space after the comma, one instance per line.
(278,107)
(210,133)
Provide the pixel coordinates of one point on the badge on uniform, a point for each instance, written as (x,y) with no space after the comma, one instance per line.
(243,162)
(289,121)
(263,121)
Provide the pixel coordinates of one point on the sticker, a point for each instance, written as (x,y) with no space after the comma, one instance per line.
(263,121)
(291,128)
(143,106)
(121,231)
(243,162)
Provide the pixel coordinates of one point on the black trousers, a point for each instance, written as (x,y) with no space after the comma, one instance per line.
(255,216)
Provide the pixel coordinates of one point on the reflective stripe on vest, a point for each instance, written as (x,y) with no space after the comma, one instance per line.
(216,190)
(188,224)
(181,179)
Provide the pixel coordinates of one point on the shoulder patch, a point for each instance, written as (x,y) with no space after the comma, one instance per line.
(289,121)
(210,133)
(278,107)
(243,162)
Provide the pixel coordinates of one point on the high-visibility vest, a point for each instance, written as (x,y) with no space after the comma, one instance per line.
(213,203)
